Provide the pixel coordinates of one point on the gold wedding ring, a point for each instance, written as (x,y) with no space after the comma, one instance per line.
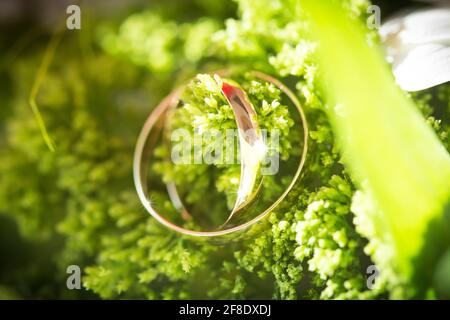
(252,149)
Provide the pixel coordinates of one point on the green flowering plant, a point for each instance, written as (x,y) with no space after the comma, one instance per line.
(77,205)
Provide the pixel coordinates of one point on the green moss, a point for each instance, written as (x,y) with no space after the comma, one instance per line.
(82,197)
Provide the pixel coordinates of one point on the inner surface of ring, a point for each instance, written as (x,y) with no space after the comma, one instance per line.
(251,144)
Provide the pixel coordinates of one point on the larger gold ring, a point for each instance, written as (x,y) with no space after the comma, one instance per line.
(249,145)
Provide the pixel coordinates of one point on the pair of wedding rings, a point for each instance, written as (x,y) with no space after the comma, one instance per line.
(252,149)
